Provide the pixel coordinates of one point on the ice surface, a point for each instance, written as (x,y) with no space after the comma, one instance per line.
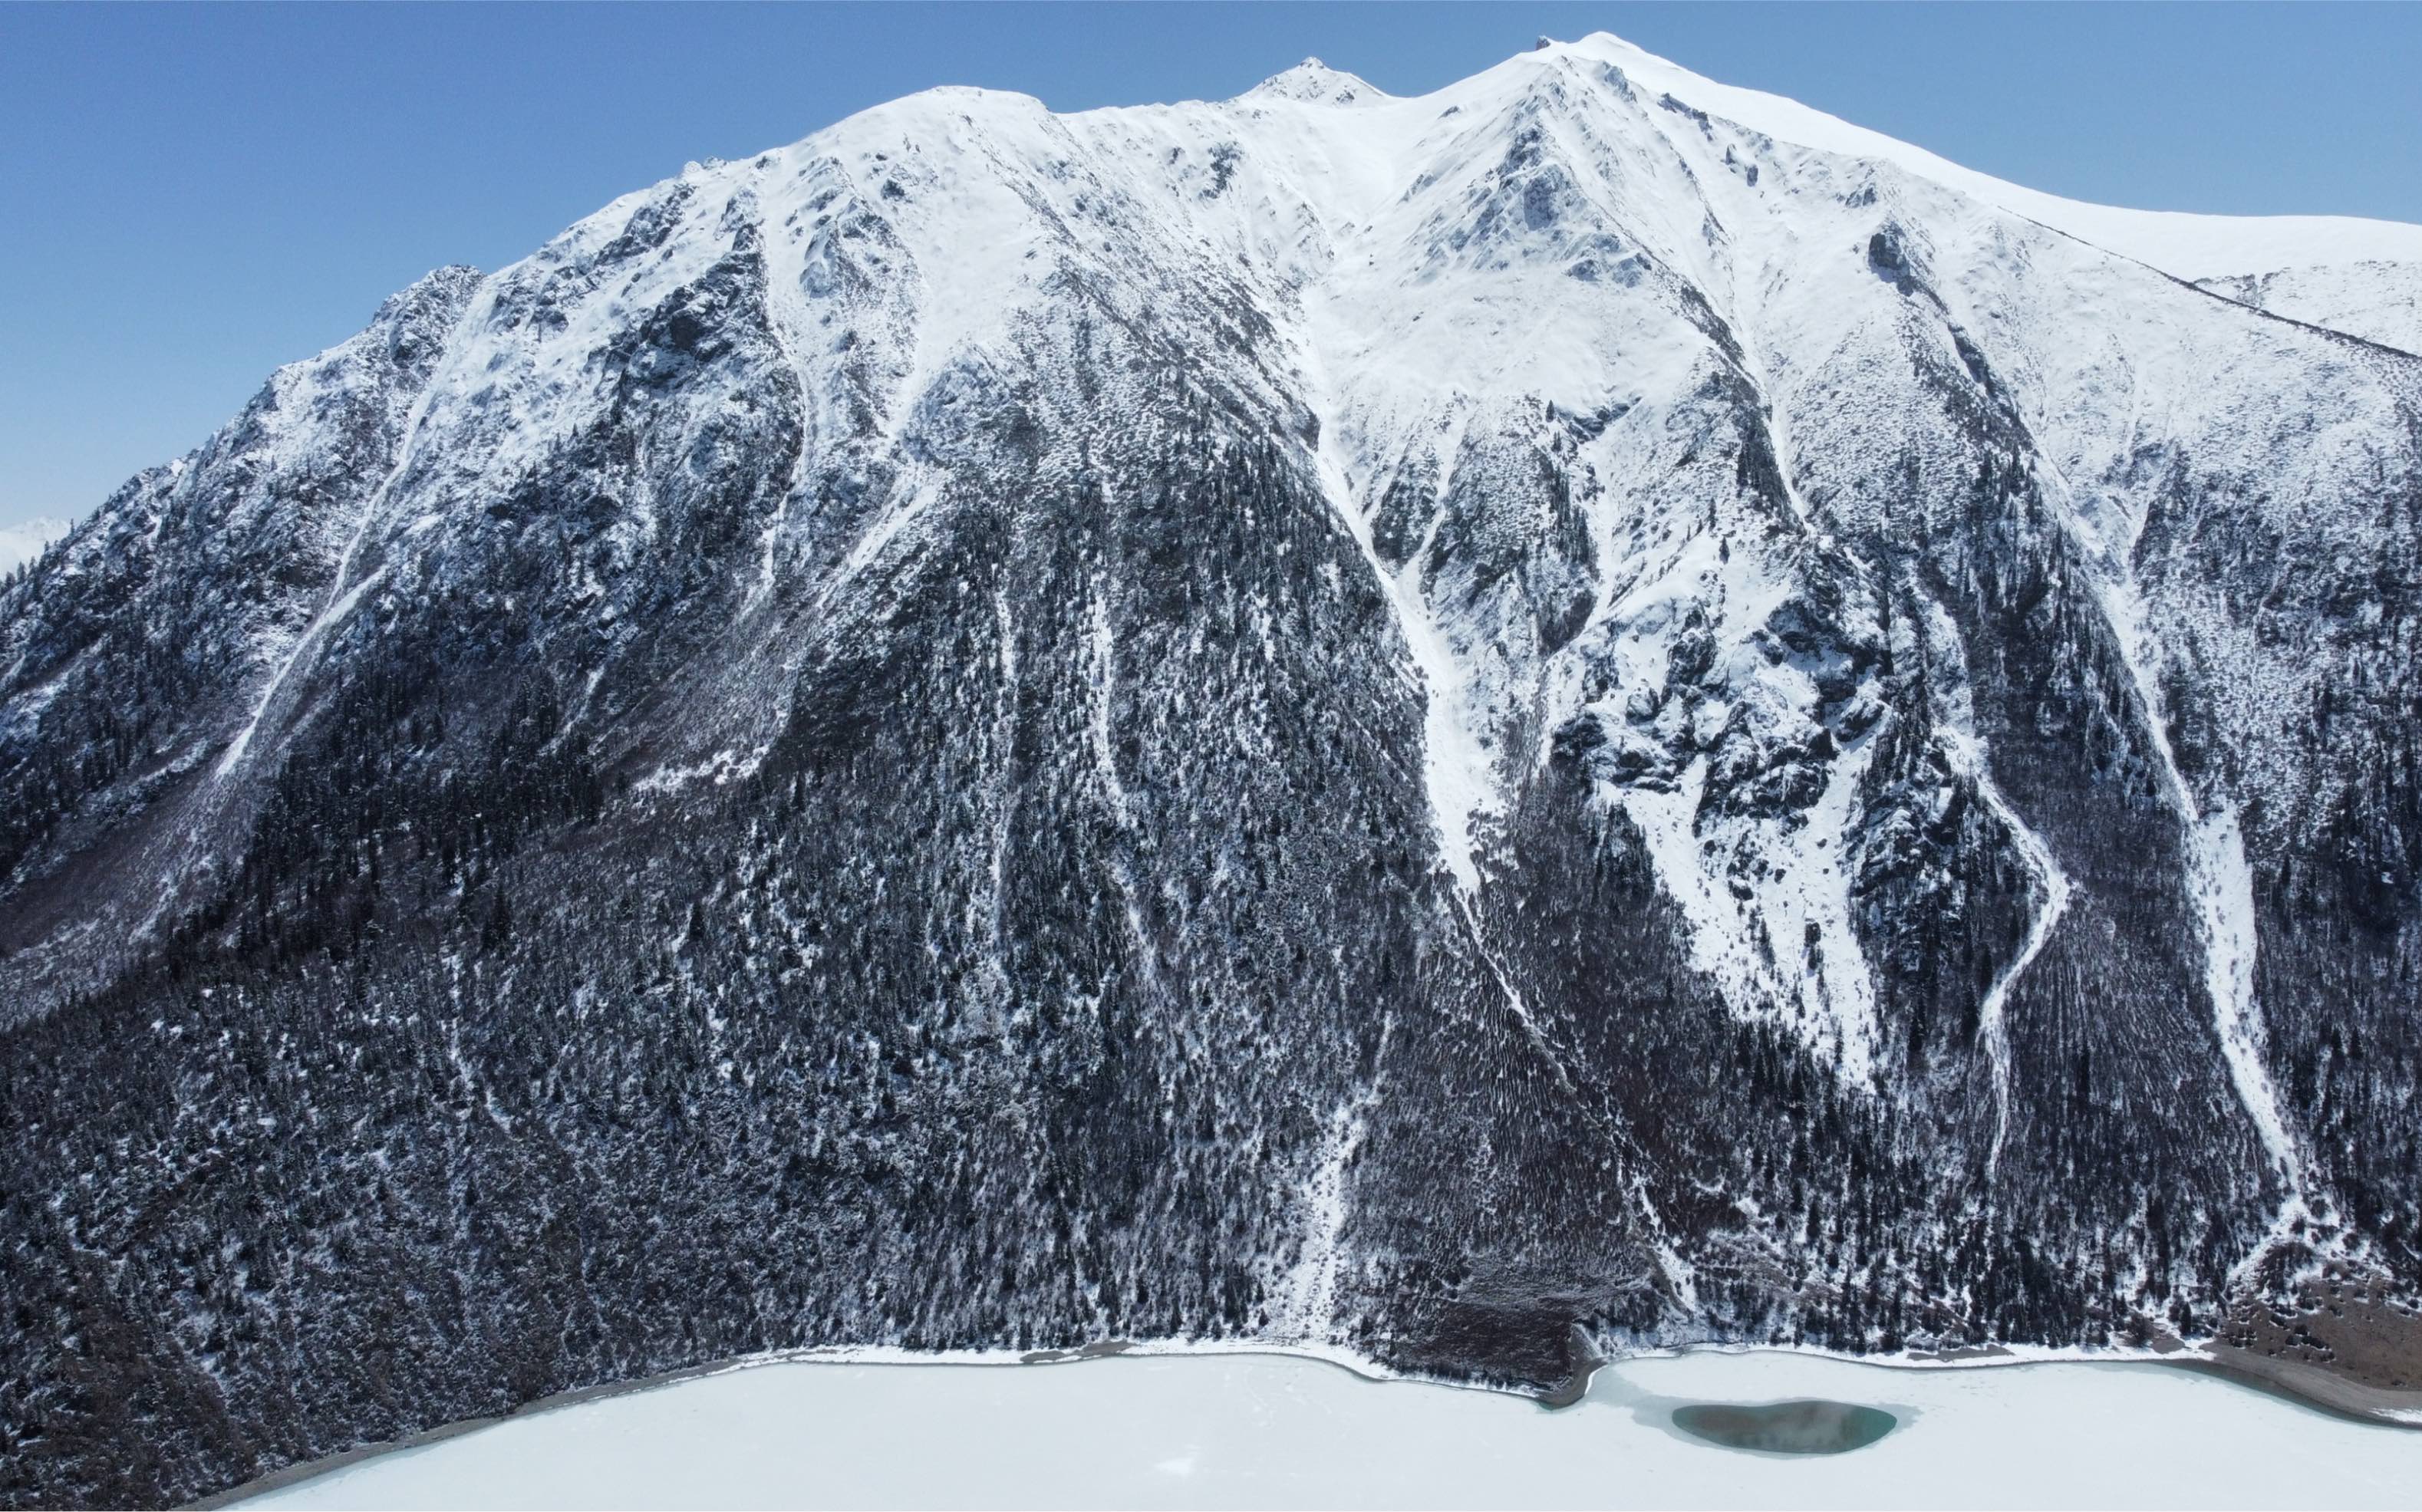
(1268,1430)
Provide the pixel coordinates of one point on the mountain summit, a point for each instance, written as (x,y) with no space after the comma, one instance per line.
(1583,713)
(1313,82)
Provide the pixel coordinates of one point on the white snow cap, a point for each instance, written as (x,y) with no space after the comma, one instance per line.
(1315,82)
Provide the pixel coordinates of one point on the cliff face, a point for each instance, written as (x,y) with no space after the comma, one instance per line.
(1411,725)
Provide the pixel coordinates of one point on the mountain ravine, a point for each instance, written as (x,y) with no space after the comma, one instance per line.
(1584,713)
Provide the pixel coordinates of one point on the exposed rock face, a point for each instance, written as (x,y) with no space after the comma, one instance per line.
(1472,728)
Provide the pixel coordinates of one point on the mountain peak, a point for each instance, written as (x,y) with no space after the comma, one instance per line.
(1313,82)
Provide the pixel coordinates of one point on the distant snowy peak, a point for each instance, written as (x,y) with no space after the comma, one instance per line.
(22,543)
(1315,82)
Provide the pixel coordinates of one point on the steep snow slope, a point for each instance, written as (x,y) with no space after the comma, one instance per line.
(1586,711)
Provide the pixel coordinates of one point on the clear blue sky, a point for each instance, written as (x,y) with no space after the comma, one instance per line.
(192,195)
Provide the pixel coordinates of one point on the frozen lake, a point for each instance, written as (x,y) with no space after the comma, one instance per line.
(1265,1430)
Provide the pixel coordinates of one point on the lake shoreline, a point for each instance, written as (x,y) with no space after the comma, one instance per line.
(2308,1386)
(2303,1385)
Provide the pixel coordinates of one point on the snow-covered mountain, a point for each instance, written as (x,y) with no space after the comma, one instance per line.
(1587,711)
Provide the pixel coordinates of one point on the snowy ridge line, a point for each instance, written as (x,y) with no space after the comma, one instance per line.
(2330,332)
(2375,302)
(341,601)
(2181,244)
